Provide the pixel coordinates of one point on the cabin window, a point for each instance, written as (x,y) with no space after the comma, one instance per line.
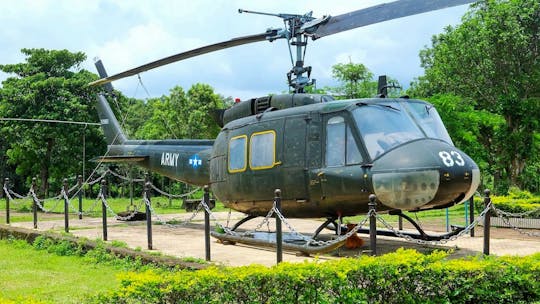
(262,150)
(341,148)
(237,154)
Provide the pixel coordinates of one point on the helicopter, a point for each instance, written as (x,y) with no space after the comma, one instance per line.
(327,156)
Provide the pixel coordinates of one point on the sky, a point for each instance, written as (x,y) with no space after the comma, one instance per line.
(128,33)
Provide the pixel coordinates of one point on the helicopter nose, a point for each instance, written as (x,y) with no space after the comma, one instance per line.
(424,174)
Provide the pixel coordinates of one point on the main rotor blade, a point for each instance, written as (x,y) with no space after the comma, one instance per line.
(382,12)
(181,56)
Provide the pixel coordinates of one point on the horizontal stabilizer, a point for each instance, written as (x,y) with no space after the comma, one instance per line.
(120,159)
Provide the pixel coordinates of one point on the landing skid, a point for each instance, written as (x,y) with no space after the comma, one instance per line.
(417,236)
(421,235)
(268,239)
(331,224)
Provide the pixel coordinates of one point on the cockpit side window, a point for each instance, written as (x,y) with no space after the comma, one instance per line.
(237,154)
(341,147)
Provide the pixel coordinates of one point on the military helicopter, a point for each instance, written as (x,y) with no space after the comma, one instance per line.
(327,156)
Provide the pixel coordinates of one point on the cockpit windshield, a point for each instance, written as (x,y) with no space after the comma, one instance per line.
(429,120)
(385,125)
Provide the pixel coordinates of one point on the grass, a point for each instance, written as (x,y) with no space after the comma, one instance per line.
(21,209)
(30,275)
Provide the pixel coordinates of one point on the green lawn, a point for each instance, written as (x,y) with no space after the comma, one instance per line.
(28,275)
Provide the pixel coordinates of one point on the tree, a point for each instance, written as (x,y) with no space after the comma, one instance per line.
(357,82)
(470,129)
(49,85)
(181,114)
(493,59)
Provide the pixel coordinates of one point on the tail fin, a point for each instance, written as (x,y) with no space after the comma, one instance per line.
(109,123)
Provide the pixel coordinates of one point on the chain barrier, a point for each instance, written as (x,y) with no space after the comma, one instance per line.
(174,195)
(66,198)
(19,196)
(39,202)
(15,202)
(65,195)
(309,240)
(10,198)
(97,179)
(91,210)
(136,180)
(504,216)
(442,241)
(266,220)
(111,211)
(521,215)
(228,230)
(163,222)
(140,180)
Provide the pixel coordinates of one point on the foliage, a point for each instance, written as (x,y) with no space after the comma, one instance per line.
(179,115)
(516,202)
(470,129)
(48,85)
(357,82)
(405,276)
(493,59)
(99,255)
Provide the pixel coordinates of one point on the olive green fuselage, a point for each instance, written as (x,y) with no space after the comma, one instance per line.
(395,148)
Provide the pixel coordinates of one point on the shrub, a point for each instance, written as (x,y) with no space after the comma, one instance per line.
(513,204)
(405,276)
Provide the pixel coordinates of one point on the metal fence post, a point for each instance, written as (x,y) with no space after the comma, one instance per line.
(66,207)
(447,217)
(279,232)
(147,203)
(471,213)
(80,194)
(487,221)
(466,207)
(6,188)
(103,191)
(372,224)
(206,198)
(34,203)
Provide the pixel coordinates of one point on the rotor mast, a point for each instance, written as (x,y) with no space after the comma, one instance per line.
(297,35)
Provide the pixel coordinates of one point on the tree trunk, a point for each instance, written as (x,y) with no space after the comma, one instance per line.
(516,168)
(45,163)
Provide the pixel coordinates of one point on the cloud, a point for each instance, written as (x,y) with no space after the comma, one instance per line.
(126,34)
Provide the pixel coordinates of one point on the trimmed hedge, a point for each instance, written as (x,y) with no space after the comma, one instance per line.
(512,204)
(405,276)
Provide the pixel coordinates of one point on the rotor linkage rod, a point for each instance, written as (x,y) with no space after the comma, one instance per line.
(282,16)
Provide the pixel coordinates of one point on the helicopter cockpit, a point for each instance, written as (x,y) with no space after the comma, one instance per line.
(388,124)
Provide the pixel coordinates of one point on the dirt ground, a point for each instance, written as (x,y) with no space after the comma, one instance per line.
(187,240)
